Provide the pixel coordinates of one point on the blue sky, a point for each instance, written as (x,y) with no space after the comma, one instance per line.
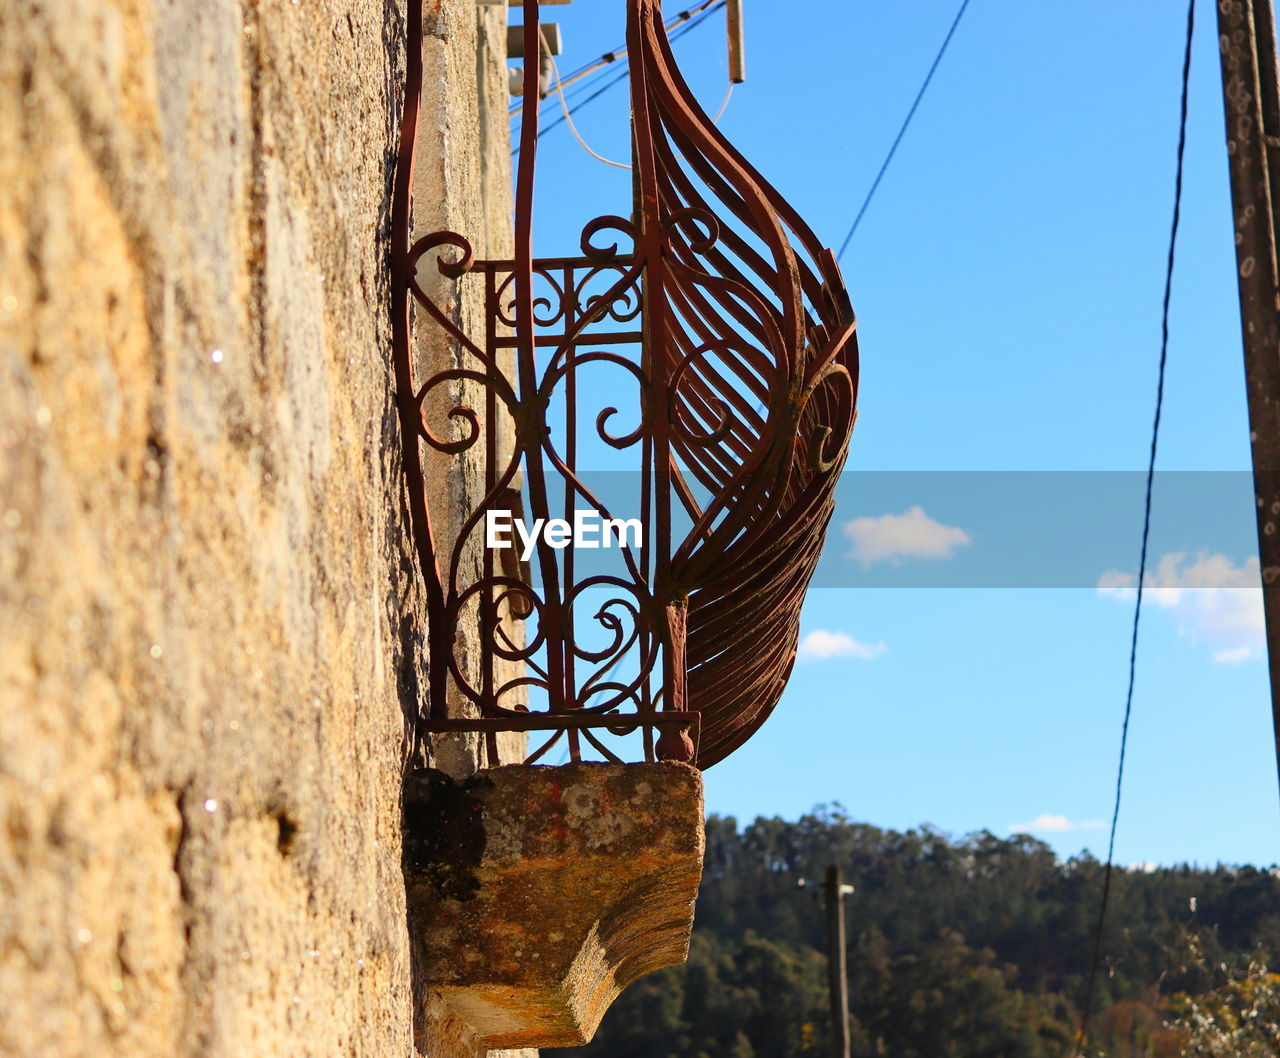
(1007,280)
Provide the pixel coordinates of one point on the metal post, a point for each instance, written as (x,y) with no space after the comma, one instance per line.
(1251,97)
(837,962)
(737,43)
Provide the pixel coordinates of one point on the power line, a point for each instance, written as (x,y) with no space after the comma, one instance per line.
(705,13)
(690,25)
(582,86)
(579,105)
(567,112)
(903,130)
(621,51)
(1146,532)
(568,117)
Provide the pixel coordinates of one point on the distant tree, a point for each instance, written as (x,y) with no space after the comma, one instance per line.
(1129,1029)
(1238,1017)
(976,947)
(949,1001)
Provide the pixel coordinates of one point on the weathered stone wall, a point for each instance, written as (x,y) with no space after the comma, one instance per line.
(210,629)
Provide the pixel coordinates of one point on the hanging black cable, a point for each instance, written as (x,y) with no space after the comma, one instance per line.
(1083,1036)
(903,130)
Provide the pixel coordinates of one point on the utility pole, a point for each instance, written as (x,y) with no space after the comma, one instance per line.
(1251,97)
(737,45)
(833,893)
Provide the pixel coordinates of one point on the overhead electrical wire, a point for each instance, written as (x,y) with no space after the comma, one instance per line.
(902,131)
(1094,962)
(703,12)
(620,52)
(577,106)
(586,86)
(564,106)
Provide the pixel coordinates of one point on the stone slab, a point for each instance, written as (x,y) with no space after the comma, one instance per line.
(536,894)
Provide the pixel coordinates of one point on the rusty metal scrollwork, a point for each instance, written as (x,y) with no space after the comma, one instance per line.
(730,341)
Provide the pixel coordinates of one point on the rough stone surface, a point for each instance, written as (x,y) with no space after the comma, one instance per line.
(538,893)
(210,626)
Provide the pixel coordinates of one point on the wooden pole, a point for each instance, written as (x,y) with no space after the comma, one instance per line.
(737,42)
(1251,97)
(837,962)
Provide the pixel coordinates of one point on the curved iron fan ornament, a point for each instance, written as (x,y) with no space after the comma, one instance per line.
(729,321)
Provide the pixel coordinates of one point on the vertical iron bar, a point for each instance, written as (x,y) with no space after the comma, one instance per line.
(490,479)
(439,641)
(1251,99)
(531,424)
(571,461)
(647,548)
(489,625)
(655,354)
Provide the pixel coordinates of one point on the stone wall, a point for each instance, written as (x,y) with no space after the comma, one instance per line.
(210,627)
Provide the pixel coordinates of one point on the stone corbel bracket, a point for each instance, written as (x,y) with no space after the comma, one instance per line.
(536,894)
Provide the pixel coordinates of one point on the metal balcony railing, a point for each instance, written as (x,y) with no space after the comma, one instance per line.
(692,372)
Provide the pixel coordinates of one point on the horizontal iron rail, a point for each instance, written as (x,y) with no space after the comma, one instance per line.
(566,721)
(587,338)
(546,264)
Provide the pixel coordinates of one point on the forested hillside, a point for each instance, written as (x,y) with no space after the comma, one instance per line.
(971,948)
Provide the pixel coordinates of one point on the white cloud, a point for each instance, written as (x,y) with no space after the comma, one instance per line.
(1048,822)
(1214,601)
(821,644)
(893,537)
(1113,582)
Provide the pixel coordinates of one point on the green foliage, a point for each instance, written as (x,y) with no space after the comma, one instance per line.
(951,1001)
(971,948)
(1238,1016)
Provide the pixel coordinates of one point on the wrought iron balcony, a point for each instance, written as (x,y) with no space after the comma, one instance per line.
(728,340)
